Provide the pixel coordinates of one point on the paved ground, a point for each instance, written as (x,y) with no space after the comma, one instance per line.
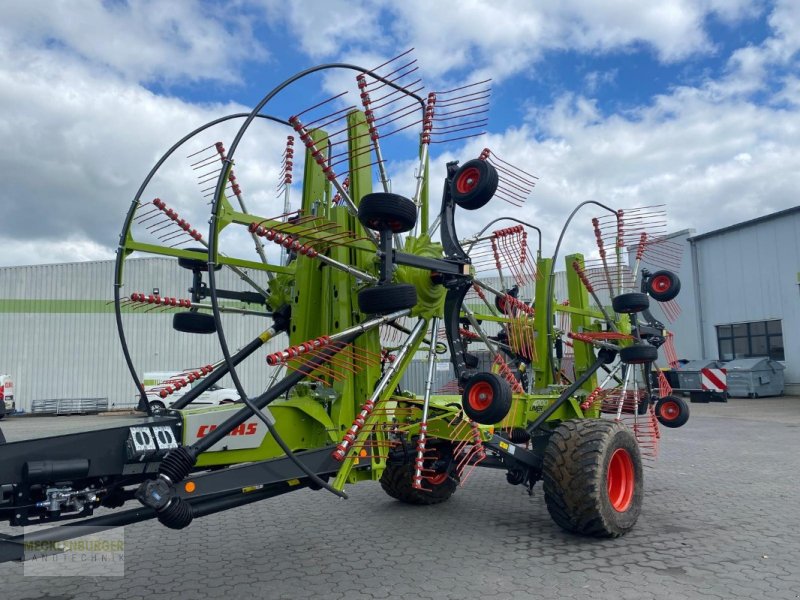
(721,520)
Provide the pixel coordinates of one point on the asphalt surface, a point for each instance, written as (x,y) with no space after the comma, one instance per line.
(721,520)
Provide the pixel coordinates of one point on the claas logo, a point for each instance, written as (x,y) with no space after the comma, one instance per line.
(243,429)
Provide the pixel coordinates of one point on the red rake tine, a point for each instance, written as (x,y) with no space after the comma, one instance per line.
(339,114)
(201,150)
(479,95)
(469,111)
(397,114)
(208,161)
(319,104)
(456,139)
(398,94)
(398,74)
(470,102)
(385,134)
(512,170)
(391,60)
(449,128)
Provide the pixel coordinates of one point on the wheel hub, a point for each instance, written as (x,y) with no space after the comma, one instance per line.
(468,180)
(480,396)
(669,411)
(661,283)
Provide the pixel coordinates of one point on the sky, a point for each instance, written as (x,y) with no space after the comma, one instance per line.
(690,104)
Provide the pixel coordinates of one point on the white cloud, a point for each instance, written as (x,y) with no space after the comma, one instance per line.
(749,67)
(712,162)
(84,132)
(72,249)
(325,27)
(79,145)
(505,37)
(143,41)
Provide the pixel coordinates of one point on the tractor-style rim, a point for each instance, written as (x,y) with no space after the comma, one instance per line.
(620,480)
(670,410)
(480,396)
(661,283)
(468,180)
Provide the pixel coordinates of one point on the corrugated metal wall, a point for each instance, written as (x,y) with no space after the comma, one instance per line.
(59,338)
(62,342)
(751,274)
(417,374)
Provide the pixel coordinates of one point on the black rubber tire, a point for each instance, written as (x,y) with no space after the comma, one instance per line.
(630,303)
(382,210)
(663,286)
(193,322)
(196,265)
(638,354)
(576,482)
(486,398)
(474,184)
(397,481)
(383,299)
(157,407)
(672,411)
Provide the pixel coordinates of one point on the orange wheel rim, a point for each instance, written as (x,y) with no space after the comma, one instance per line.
(468,180)
(437,479)
(620,480)
(670,411)
(480,396)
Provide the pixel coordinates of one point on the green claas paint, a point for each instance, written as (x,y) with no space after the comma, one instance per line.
(346,272)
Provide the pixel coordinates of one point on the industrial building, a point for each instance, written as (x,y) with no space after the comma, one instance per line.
(740,293)
(59,337)
(740,297)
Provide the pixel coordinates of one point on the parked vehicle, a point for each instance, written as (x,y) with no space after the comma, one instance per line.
(6,395)
(167,387)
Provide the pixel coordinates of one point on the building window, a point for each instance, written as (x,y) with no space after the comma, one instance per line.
(743,340)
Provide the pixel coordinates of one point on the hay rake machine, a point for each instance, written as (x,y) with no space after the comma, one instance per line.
(355,285)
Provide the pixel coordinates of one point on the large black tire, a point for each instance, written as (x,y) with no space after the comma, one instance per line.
(593,477)
(383,299)
(486,398)
(194,264)
(474,184)
(157,407)
(193,322)
(672,411)
(383,210)
(397,481)
(663,286)
(638,354)
(630,303)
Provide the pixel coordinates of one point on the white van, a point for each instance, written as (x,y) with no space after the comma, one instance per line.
(158,386)
(6,394)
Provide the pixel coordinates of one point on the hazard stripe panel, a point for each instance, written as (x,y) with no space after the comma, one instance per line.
(715,380)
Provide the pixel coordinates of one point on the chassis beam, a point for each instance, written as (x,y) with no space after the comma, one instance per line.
(214,491)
